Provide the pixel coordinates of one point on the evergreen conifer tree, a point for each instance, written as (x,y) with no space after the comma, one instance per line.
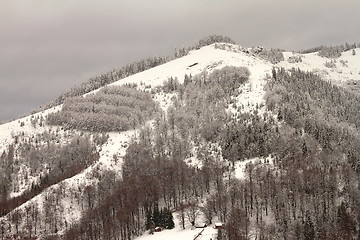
(168,219)
(157,217)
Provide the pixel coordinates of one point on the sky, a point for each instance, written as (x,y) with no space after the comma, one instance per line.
(48,46)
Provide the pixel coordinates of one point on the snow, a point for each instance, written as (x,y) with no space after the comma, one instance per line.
(11,129)
(164,100)
(189,233)
(240,167)
(178,234)
(207,58)
(210,58)
(115,146)
(252,92)
(312,62)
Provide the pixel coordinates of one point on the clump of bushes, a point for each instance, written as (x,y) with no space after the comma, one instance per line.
(330,52)
(331,64)
(295,59)
(272,55)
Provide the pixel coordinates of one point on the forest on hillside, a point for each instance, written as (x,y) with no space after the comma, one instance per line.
(311,191)
(306,184)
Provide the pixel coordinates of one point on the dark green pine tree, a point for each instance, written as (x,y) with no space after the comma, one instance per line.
(149,221)
(168,219)
(157,217)
(162,220)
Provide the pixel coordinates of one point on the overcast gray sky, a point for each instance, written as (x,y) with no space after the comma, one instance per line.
(47,46)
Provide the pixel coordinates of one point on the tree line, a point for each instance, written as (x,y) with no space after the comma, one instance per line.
(331,51)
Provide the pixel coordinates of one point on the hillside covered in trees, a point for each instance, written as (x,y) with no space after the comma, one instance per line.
(216,134)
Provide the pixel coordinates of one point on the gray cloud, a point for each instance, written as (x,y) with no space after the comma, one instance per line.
(48,46)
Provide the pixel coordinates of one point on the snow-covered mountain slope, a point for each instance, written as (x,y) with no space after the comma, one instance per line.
(209,58)
(11,129)
(341,71)
(189,233)
(347,68)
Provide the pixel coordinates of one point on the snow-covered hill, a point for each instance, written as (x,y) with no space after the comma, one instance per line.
(205,59)
(345,69)
(341,71)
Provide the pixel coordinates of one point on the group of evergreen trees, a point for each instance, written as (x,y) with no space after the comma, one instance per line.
(330,52)
(272,55)
(160,218)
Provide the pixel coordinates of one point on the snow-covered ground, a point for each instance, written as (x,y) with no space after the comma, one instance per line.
(111,158)
(189,233)
(252,92)
(208,233)
(164,100)
(347,66)
(240,167)
(13,128)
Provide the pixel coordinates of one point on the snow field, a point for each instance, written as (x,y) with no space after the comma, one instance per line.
(347,66)
(240,167)
(189,233)
(13,128)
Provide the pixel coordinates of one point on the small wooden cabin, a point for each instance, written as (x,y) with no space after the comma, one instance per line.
(219,225)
